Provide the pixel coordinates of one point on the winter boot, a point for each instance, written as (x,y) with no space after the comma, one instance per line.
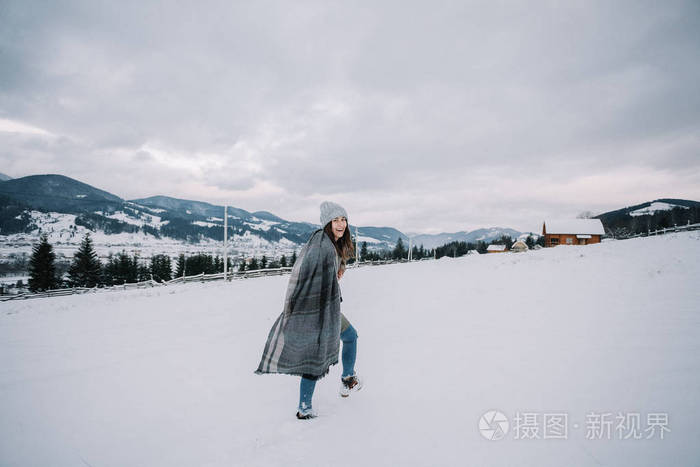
(350,384)
(306,413)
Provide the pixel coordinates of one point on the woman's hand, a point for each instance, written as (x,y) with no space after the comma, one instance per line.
(340,273)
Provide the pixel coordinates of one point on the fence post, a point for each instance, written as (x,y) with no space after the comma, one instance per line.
(225,242)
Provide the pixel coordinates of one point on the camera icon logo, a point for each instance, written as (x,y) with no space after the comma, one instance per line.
(493,425)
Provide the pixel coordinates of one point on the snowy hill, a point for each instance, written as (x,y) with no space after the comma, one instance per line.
(164,377)
(650,207)
(654,207)
(479,235)
(652,215)
(58,193)
(66,209)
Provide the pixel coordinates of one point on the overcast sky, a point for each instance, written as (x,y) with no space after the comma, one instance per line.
(425,116)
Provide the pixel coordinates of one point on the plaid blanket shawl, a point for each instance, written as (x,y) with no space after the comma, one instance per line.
(305,338)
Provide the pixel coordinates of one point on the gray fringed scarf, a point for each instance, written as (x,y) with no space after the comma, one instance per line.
(305,338)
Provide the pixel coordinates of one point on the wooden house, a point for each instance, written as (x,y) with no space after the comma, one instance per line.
(519,247)
(496,249)
(572,232)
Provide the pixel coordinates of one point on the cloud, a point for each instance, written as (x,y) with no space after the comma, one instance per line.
(426,118)
(11,126)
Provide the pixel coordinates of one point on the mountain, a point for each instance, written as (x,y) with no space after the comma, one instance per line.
(4,177)
(187,218)
(188,208)
(67,208)
(651,215)
(486,235)
(58,193)
(262,223)
(268,216)
(384,237)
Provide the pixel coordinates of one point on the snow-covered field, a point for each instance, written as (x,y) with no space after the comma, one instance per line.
(65,237)
(164,377)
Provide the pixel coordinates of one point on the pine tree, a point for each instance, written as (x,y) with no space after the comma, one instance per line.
(132,267)
(123,268)
(283,261)
(181,266)
(399,251)
(241,266)
(107,277)
(294,258)
(363,251)
(161,268)
(143,273)
(200,263)
(42,267)
(530,242)
(505,240)
(253,264)
(85,270)
(263,262)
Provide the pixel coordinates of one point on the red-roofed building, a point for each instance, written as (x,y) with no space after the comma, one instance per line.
(572,232)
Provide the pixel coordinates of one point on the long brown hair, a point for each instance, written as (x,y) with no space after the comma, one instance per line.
(344,245)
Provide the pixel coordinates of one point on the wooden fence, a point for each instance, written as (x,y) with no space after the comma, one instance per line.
(651,233)
(234,275)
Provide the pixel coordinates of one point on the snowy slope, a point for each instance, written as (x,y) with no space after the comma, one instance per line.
(65,236)
(478,235)
(655,206)
(164,377)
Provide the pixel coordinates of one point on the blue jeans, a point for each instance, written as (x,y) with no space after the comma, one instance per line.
(307,386)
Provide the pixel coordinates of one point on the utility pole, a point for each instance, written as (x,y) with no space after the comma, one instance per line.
(410,253)
(357,246)
(225,242)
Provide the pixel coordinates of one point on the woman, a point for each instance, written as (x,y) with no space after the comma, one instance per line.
(305,338)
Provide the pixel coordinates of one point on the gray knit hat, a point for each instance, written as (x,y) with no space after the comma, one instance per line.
(330,211)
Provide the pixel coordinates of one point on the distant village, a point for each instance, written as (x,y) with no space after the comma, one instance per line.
(87,271)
